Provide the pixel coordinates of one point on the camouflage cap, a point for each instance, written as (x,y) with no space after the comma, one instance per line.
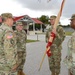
(72,17)
(19,23)
(52,17)
(6,15)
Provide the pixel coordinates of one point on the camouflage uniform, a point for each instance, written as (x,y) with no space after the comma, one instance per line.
(8,49)
(69,60)
(55,58)
(21,44)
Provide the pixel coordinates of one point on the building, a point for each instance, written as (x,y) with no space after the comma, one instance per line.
(29,24)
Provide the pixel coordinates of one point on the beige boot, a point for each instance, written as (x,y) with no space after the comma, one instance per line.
(70,73)
(53,74)
(20,72)
(56,73)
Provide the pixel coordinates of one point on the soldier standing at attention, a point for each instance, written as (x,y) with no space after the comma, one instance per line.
(55,58)
(21,44)
(70,58)
(8,47)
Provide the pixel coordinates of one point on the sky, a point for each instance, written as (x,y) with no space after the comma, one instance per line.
(37,8)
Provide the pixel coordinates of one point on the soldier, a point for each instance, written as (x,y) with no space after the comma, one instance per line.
(21,44)
(55,58)
(8,48)
(70,58)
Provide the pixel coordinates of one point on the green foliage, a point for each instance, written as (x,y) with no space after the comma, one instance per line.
(44,19)
(37,26)
(30,27)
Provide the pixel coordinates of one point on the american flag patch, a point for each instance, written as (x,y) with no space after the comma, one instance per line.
(9,36)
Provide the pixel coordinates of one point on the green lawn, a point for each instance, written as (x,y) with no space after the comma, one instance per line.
(28,40)
(68,33)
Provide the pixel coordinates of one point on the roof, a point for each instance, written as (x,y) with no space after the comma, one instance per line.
(18,18)
(33,19)
(37,21)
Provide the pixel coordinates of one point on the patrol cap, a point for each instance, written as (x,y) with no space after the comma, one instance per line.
(19,23)
(72,17)
(52,17)
(6,15)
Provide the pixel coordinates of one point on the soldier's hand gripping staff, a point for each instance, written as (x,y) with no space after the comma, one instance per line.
(50,43)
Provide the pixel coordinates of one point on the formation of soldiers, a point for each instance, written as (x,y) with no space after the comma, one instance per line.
(13,47)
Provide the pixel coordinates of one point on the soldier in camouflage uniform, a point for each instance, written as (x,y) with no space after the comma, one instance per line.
(55,58)
(21,44)
(70,58)
(8,47)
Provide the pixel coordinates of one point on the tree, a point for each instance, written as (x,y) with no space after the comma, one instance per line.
(44,19)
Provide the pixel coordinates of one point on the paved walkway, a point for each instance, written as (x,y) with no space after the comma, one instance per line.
(36,37)
(35,53)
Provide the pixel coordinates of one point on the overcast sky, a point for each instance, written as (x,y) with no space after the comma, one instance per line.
(36,8)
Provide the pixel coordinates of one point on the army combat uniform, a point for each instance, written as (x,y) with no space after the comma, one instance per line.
(69,60)
(55,58)
(8,50)
(21,44)
(21,50)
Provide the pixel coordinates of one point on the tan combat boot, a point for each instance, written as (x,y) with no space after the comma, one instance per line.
(20,72)
(56,73)
(53,73)
(70,73)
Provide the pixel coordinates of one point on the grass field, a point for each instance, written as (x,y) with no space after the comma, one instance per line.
(68,33)
(28,40)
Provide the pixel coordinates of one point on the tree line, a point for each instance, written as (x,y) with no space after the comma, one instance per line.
(45,20)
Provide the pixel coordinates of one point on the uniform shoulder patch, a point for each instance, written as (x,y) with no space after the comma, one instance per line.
(9,35)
